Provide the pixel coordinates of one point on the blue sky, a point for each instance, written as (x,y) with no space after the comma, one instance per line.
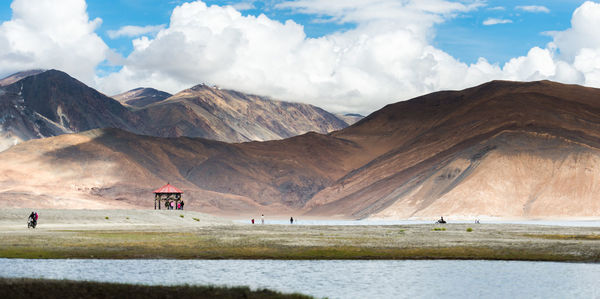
(342,55)
(464,36)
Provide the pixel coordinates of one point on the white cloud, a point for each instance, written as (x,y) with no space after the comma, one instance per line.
(387,57)
(582,34)
(494,21)
(51,34)
(497,8)
(241,6)
(133,31)
(533,8)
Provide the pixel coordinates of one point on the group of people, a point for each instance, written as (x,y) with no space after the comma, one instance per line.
(172,205)
(262,219)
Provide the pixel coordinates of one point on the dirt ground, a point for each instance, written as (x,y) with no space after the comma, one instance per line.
(187,234)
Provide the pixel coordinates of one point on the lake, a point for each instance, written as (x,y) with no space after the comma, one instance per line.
(338,279)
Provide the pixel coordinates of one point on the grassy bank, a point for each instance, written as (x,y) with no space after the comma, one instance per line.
(44,288)
(494,242)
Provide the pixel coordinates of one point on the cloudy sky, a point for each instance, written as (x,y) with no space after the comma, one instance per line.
(342,55)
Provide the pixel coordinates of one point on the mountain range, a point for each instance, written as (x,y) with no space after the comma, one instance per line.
(38,104)
(505,149)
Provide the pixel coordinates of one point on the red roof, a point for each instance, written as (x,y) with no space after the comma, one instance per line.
(167,189)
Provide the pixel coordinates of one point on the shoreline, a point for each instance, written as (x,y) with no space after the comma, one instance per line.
(180,234)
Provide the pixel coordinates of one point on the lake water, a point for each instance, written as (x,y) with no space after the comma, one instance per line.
(338,279)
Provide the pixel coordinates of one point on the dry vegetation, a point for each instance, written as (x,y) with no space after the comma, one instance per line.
(44,288)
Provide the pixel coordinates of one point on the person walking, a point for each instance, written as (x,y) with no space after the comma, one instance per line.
(182,204)
(291,220)
(262,219)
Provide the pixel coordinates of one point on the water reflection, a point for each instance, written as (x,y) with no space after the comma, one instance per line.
(338,279)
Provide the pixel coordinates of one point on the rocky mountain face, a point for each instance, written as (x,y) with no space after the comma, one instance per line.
(37,104)
(141,97)
(50,103)
(505,149)
(231,116)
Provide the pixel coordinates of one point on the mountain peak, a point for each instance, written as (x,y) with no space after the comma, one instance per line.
(141,97)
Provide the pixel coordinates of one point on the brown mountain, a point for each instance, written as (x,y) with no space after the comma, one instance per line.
(231,116)
(506,149)
(37,104)
(141,97)
(49,103)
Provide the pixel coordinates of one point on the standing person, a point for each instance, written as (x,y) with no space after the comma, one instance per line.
(172,205)
(291,220)
(182,204)
(262,219)
(252,220)
(179,206)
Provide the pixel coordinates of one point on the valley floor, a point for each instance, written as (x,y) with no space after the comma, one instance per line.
(192,235)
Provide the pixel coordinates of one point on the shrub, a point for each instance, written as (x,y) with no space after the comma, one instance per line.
(196,219)
(469,229)
(106,217)
(181,216)
(437,229)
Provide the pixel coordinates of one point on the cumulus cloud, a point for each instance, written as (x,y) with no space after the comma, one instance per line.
(133,31)
(388,56)
(533,8)
(51,34)
(494,21)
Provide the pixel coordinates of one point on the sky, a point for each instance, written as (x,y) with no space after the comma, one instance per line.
(347,56)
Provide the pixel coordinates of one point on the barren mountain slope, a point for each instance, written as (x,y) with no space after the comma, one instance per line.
(504,149)
(444,140)
(141,97)
(231,116)
(111,166)
(49,103)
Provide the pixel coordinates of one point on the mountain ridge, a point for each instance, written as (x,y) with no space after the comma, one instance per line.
(500,149)
(52,103)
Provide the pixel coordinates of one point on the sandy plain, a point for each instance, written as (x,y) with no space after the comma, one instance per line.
(193,235)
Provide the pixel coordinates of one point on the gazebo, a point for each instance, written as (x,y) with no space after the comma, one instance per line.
(168,193)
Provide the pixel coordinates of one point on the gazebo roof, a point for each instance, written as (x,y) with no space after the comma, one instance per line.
(167,189)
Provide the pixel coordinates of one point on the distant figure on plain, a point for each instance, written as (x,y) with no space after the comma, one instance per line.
(262,219)
(252,220)
(477,221)
(182,204)
(441,220)
(291,220)
(32,220)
